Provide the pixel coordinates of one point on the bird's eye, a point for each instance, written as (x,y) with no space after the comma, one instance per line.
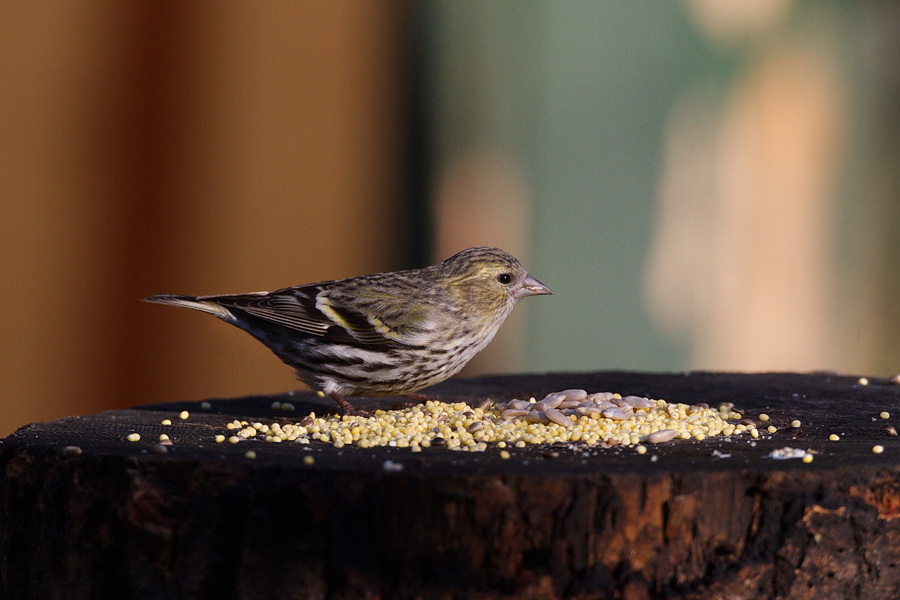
(504,278)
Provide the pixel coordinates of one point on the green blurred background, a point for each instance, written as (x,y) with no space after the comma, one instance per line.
(705,184)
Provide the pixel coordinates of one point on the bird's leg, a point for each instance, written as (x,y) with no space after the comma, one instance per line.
(347,408)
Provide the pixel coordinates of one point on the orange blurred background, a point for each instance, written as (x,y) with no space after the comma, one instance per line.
(704,184)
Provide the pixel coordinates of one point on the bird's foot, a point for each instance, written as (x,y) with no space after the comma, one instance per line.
(345,408)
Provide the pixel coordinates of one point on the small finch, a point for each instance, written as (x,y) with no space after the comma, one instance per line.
(384,334)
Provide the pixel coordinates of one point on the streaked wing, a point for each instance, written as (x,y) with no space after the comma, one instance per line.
(293,308)
(363,317)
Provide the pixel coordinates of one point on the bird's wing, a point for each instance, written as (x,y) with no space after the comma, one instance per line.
(379,317)
(362,317)
(292,308)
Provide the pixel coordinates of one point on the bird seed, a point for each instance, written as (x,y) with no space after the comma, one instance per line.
(600,418)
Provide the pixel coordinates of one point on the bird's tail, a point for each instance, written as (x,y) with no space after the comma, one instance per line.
(203,304)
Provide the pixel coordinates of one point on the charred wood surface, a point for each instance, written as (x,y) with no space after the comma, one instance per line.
(689,519)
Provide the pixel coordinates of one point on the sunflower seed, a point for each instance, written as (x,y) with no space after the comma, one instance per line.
(476,426)
(537,416)
(485,404)
(554,400)
(663,435)
(573,394)
(519,404)
(558,418)
(638,402)
(510,413)
(616,414)
(539,406)
(600,397)
(569,404)
(620,402)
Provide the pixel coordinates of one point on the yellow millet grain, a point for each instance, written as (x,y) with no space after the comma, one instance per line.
(420,427)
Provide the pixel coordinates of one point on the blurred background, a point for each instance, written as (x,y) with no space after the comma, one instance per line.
(705,184)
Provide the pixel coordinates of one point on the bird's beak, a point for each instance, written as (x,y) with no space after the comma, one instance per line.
(531,287)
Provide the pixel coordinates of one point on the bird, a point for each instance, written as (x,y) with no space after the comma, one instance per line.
(387,334)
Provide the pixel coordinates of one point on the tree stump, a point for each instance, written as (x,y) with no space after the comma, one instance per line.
(689,519)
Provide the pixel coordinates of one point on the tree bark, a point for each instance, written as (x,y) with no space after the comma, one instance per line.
(123,520)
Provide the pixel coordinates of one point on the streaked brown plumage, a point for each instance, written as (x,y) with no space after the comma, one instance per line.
(383,334)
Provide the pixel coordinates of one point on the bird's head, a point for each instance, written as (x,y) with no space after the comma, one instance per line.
(484,274)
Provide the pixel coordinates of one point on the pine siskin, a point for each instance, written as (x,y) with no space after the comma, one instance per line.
(384,334)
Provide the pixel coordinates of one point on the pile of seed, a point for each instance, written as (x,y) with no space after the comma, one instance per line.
(566,416)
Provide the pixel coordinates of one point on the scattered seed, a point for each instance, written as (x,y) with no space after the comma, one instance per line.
(163,437)
(593,419)
(133,437)
(834,437)
(573,394)
(554,400)
(771,429)
(877,448)
(661,436)
(890,430)
(616,413)
(276,405)
(787,453)
(807,458)
(795,423)
(159,448)
(537,416)
(763,417)
(511,413)
(184,415)
(895,379)
(862,381)
(884,414)
(309,460)
(205,405)
(220,439)
(71,451)
(641,449)
(504,454)
(165,422)
(638,402)
(558,418)
(600,397)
